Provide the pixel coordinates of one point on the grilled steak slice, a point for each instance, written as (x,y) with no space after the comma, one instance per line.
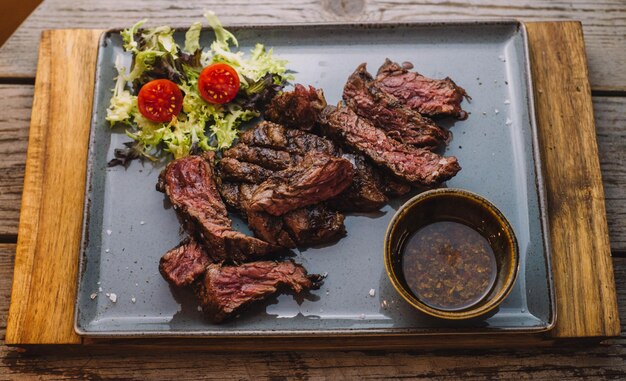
(230,194)
(301,227)
(296,142)
(265,226)
(314,224)
(298,109)
(431,97)
(365,193)
(232,169)
(183,264)
(190,187)
(225,290)
(265,157)
(318,178)
(414,165)
(400,123)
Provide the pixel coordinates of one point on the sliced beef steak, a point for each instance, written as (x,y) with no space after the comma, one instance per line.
(232,169)
(226,290)
(190,187)
(184,263)
(318,178)
(296,142)
(312,225)
(414,165)
(431,97)
(365,193)
(299,109)
(315,224)
(265,157)
(401,123)
(264,225)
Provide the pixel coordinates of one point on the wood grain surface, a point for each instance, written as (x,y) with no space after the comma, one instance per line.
(54,188)
(581,251)
(604,22)
(44,284)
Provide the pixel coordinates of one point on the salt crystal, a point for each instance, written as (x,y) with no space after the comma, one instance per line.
(133,299)
(142,222)
(507,102)
(113,297)
(99,289)
(109,232)
(98,283)
(384,304)
(93,296)
(497,111)
(508,121)
(362,316)
(136,284)
(372,292)
(199,308)
(325,274)
(106,250)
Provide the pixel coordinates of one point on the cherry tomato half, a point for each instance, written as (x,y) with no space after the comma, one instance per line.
(159,100)
(218,83)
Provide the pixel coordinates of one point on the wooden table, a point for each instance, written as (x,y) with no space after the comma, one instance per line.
(605,35)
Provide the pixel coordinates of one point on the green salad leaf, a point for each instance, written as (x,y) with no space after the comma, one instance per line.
(200,126)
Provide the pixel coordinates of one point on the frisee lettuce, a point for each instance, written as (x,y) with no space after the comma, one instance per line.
(200,126)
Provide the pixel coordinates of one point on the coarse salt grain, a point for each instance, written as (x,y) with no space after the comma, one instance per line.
(372,292)
(497,111)
(507,102)
(109,232)
(93,296)
(362,316)
(113,297)
(508,121)
(133,299)
(142,222)
(106,250)
(199,308)
(99,289)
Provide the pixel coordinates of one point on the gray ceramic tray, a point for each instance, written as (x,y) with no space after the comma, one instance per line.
(128,226)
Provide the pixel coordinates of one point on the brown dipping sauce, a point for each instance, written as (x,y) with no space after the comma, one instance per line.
(448,265)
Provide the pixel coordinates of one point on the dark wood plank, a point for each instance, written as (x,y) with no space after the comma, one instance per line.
(570,361)
(610,114)
(581,250)
(604,22)
(17,101)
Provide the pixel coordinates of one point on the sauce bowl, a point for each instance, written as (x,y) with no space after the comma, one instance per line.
(471,210)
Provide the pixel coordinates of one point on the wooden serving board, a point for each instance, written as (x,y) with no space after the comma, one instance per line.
(46,263)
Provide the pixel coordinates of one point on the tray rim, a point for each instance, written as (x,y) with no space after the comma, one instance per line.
(345,332)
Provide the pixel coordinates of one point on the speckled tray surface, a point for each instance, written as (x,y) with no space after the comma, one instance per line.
(128,225)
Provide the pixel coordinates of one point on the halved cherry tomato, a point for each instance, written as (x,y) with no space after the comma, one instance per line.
(218,83)
(159,100)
